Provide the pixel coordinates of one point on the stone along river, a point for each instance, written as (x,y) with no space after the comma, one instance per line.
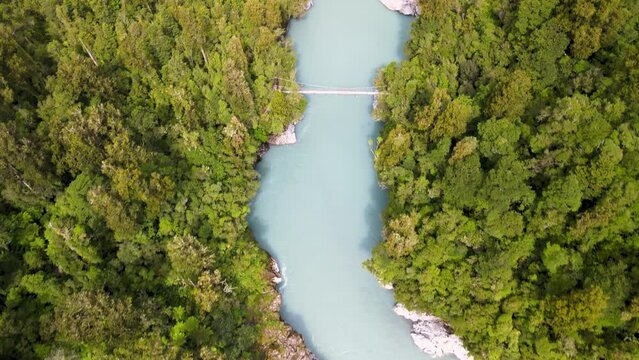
(318,209)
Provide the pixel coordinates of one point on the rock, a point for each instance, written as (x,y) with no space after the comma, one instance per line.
(262,151)
(276,304)
(406,7)
(286,138)
(432,335)
(309,5)
(277,278)
(291,344)
(388,286)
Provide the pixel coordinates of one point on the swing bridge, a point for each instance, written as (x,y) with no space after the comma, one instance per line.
(312,89)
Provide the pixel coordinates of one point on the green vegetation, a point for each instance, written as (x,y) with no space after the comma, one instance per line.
(128,135)
(511,151)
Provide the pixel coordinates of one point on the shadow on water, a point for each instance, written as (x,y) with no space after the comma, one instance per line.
(262,169)
(258,228)
(373,218)
(402,47)
(379,200)
(297,322)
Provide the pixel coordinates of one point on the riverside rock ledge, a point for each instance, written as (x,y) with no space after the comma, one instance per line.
(432,335)
(286,138)
(406,7)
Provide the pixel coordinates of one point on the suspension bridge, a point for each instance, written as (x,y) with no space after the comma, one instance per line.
(312,89)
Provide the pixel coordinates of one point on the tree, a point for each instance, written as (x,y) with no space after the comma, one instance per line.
(580,310)
(513,97)
(400,237)
(453,120)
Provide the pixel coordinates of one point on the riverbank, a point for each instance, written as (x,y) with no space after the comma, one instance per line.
(293,346)
(292,343)
(430,333)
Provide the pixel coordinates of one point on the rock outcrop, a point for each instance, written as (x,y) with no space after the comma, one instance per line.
(406,7)
(277,274)
(262,151)
(432,335)
(286,138)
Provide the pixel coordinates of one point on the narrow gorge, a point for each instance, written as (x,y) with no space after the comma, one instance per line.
(318,210)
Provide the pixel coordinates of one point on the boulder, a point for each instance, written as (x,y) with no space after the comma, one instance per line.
(406,7)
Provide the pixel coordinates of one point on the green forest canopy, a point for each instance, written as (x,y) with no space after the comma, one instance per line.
(128,136)
(511,153)
(129,130)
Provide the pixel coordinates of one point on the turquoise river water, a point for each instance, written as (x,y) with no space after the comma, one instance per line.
(319,206)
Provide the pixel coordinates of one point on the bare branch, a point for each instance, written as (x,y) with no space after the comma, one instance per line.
(88,52)
(206,61)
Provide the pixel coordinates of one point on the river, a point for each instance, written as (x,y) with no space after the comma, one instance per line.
(319,206)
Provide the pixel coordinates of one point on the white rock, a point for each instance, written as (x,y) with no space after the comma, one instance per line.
(275,267)
(432,335)
(388,286)
(406,7)
(309,5)
(286,138)
(276,270)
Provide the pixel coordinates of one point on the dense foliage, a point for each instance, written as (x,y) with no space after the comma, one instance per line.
(128,135)
(511,151)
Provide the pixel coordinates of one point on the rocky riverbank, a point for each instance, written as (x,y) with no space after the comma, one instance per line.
(291,343)
(292,346)
(432,335)
(406,7)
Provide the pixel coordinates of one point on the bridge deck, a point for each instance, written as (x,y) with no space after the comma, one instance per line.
(332,92)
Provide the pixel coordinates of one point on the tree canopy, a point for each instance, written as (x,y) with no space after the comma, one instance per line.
(129,131)
(511,154)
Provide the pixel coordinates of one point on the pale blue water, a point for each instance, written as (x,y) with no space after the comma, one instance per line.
(318,209)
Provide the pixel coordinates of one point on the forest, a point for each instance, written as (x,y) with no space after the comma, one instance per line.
(511,153)
(129,131)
